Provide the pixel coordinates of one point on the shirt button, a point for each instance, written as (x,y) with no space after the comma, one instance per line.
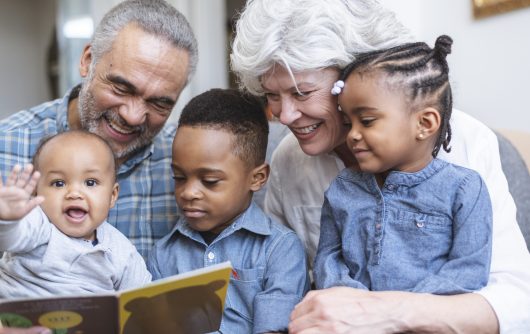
(419,223)
(378,226)
(211,256)
(390,187)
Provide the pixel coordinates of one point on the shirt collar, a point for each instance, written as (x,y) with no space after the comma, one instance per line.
(403,178)
(62,110)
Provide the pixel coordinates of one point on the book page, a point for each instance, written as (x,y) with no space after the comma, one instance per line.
(188,303)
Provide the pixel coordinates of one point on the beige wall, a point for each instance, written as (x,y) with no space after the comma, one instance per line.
(490,63)
(25,31)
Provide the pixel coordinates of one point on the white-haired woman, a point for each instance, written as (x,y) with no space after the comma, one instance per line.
(292,52)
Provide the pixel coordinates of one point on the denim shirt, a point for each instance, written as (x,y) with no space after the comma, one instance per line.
(428,231)
(270,271)
(145,209)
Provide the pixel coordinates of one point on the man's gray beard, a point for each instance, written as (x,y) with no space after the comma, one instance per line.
(91,120)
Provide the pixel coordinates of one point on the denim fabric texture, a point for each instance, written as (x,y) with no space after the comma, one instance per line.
(145,210)
(270,271)
(428,231)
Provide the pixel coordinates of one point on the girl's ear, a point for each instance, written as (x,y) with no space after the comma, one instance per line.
(259,177)
(428,123)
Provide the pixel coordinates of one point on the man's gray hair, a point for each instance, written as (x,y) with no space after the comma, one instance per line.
(156,17)
(309,34)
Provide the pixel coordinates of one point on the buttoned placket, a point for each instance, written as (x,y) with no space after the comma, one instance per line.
(380,221)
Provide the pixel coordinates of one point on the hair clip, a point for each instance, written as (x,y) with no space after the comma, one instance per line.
(337,87)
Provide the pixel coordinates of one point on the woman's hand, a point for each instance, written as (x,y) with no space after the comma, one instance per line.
(347,310)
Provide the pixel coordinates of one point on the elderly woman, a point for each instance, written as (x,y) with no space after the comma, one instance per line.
(292,52)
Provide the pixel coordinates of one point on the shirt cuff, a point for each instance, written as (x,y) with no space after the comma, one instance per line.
(272,312)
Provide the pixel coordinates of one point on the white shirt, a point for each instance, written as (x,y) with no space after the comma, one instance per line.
(295,195)
(40,260)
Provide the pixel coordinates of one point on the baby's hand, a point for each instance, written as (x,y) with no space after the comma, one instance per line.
(16,199)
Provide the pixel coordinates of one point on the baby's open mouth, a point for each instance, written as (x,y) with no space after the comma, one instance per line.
(76,214)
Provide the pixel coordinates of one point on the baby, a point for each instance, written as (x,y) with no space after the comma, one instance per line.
(59,242)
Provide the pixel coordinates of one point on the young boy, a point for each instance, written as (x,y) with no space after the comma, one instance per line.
(218,163)
(64,246)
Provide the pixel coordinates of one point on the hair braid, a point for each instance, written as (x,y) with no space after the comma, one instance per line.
(425,73)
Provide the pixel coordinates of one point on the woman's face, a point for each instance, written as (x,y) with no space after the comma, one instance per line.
(310,111)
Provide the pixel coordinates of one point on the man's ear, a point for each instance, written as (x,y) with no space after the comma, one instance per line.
(259,177)
(428,123)
(85,61)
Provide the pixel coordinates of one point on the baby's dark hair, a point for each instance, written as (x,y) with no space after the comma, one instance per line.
(423,73)
(45,140)
(236,112)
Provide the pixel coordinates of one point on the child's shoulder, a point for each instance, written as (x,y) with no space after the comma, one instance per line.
(460,177)
(275,229)
(460,172)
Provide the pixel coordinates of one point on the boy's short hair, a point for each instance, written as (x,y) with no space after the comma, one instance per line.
(45,140)
(239,113)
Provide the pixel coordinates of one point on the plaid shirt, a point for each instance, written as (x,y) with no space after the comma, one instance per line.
(145,210)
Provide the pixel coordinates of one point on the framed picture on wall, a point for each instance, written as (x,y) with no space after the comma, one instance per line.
(484,8)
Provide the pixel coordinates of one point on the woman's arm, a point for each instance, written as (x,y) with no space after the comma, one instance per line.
(347,310)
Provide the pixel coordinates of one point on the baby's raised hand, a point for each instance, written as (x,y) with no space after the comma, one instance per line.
(16,199)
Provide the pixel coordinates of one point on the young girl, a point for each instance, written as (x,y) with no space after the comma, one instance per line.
(400,219)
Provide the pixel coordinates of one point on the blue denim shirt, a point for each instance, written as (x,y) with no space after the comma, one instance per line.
(145,210)
(428,231)
(268,259)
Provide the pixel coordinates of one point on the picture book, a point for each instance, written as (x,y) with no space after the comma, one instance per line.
(187,303)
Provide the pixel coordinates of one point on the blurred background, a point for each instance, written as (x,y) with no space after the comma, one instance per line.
(41,42)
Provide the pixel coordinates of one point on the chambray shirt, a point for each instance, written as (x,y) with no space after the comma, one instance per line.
(428,231)
(145,210)
(270,272)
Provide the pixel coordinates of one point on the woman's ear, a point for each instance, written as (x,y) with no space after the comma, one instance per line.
(259,176)
(428,123)
(85,61)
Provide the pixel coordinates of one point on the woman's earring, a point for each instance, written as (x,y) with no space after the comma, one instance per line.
(420,136)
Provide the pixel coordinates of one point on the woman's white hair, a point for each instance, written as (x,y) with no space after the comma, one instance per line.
(305,35)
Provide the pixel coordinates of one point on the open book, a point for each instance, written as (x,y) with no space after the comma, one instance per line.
(187,303)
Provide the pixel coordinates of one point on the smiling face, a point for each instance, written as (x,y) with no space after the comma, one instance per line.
(385,133)
(77,182)
(129,94)
(312,116)
(212,185)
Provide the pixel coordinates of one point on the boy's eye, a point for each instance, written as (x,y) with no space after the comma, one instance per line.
(210,182)
(178,178)
(57,183)
(91,182)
